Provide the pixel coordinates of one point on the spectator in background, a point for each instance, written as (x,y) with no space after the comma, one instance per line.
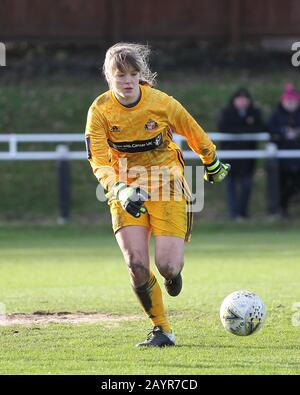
(240,116)
(284,127)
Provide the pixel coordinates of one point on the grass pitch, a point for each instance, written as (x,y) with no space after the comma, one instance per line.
(76,269)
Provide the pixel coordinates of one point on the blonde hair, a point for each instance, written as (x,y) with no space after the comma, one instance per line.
(122,55)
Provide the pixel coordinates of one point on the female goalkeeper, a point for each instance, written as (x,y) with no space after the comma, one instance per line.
(129,142)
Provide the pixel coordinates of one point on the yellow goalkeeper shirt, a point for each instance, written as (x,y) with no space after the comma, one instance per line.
(140,137)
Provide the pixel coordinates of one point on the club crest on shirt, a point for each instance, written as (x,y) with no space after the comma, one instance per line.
(114,129)
(151,125)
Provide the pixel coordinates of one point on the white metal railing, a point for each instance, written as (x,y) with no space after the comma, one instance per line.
(63,151)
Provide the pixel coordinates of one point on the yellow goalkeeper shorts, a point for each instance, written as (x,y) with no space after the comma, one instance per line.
(164,218)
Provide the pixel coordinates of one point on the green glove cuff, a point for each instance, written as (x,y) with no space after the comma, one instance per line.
(213,167)
(216,171)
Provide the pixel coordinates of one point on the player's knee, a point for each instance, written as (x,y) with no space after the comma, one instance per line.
(137,268)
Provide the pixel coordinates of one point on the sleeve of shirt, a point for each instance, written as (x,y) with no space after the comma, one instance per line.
(98,149)
(185,125)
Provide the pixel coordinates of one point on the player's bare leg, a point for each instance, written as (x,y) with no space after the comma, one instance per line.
(169,260)
(134,244)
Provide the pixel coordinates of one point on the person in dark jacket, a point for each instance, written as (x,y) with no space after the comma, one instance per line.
(240,116)
(284,127)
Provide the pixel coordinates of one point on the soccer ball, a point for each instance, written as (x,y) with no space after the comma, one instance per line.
(242,313)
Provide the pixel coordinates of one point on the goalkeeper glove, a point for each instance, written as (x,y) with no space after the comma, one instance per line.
(216,171)
(131,198)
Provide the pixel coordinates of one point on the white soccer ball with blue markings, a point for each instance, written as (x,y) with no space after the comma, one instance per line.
(242,313)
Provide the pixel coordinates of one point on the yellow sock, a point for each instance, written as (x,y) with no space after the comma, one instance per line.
(150,297)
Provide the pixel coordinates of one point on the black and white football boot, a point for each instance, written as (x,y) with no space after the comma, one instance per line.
(158,338)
